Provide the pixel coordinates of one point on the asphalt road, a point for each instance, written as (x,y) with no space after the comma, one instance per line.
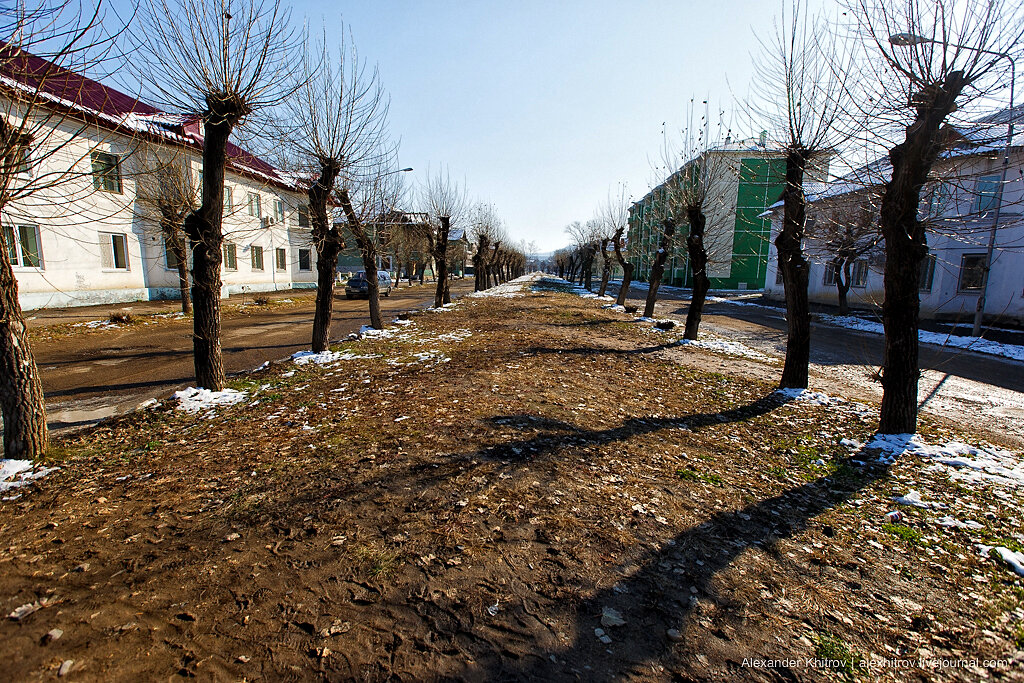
(87,377)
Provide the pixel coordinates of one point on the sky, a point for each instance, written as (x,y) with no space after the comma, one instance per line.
(543,108)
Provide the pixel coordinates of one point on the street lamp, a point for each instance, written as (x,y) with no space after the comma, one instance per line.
(907,39)
(384,175)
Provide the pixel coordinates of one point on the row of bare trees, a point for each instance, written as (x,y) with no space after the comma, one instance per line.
(883,77)
(238,67)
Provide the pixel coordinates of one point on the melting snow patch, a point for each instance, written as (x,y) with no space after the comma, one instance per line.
(325,357)
(913,499)
(727,347)
(1014,559)
(193,400)
(615,307)
(965,462)
(98,325)
(953,523)
(17,473)
(507,290)
(373,333)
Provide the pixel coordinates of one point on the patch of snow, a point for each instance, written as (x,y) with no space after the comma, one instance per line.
(1014,351)
(373,333)
(506,290)
(17,473)
(723,346)
(913,499)
(98,325)
(1014,559)
(953,523)
(967,463)
(326,357)
(194,399)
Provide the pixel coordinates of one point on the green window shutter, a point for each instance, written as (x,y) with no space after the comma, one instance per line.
(29,246)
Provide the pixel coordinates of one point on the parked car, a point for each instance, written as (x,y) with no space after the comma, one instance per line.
(358,286)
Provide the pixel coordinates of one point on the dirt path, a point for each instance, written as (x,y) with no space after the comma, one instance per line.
(956,385)
(521,489)
(90,375)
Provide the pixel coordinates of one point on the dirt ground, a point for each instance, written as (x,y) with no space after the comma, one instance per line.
(521,488)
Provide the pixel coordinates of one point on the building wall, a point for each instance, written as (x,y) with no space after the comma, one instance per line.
(73,221)
(964,232)
(736,237)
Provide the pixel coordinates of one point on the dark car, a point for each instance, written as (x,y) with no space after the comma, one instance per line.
(358,286)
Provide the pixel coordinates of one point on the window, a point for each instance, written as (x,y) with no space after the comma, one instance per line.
(170,259)
(986,193)
(106,172)
(281,259)
(23,245)
(778,274)
(830,274)
(255,208)
(927,276)
(256,256)
(230,257)
(229,204)
(278,211)
(942,199)
(18,155)
(113,251)
(859,276)
(305,259)
(303,216)
(972,272)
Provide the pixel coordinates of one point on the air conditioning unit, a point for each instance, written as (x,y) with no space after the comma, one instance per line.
(266,221)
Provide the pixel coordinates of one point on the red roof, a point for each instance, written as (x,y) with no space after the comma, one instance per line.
(112,108)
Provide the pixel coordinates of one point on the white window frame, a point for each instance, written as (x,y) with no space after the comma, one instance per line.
(229,204)
(232,248)
(252,257)
(18,257)
(255,203)
(99,180)
(109,239)
(859,274)
(281,255)
(279,210)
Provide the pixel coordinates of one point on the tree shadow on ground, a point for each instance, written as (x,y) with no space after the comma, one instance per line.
(594,350)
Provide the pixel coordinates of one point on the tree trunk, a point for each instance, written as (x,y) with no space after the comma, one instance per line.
(174,237)
(698,254)
(439,250)
(842,268)
(658,267)
(368,251)
(795,271)
(906,247)
(627,269)
(328,242)
(480,265)
(21,392)
(606,268)
(203,227)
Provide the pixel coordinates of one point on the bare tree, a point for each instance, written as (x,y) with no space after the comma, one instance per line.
(445,202)
(43,48)
(165,194)
(370,203)
(615,215)
(487,232)
(338,125)
(800,81)
(224,62)
(840,235)
(928,59)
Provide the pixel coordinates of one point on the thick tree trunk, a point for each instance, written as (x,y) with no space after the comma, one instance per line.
(627,269)
(905,248)
(658,267)
(698,254)
(328,242)
(21,392)
(171,227)
(480,264)
(439,250)
(795,271)
(203,227)
(368,252)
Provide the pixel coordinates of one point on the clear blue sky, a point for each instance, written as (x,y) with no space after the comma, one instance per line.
(543,106)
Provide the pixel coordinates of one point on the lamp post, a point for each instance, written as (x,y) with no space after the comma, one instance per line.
(374,238)
(906,39)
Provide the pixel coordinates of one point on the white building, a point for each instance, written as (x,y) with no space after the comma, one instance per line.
(959,205)
(88,239)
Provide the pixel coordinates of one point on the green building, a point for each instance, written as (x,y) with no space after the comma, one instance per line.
(750,178)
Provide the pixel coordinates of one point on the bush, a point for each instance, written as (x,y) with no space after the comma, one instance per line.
(121,318)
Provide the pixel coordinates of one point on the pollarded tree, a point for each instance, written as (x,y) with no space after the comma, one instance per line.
(370,202)
(43,51)
(840,236)
(927,60)
(445,202)
(801,83)
(485,229)
(615,216)
(337,128)
(165,194)
(225,63)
